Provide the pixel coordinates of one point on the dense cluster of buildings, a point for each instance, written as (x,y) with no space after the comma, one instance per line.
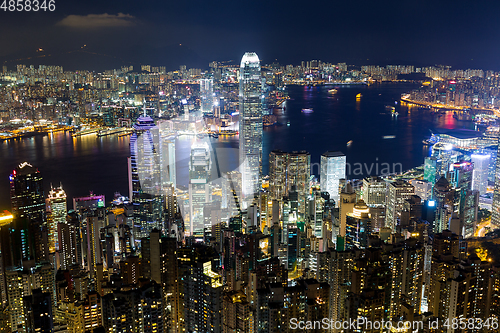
(480,91)
(242,251)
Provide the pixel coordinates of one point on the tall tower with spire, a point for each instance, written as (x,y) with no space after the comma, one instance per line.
(250,122)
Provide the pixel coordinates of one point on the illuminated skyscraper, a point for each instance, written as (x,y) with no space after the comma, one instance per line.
(333,165)
(28,208)
(57,211)
(374,191)
(431,167)
(287,170)
(26,193)
(144,177)
(207,95)
(397,193)
(250,119)
(358,226)
(199,188)
(480,173)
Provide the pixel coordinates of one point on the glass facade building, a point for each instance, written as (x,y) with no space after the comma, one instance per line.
(144,177)
(207,95)
(480,174)
(333,166)
(199,188)
(250,125)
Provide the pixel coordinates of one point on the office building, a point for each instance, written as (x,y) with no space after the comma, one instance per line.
(207,95)
(333,169)
(480,173)
(358,227)
(144,177)
(56,213)
(250,126)
(287,170)
(374,191)
(200,167)
(26,193)
(423,188)
(397,193)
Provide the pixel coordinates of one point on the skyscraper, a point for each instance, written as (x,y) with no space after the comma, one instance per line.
(28,208)
(374,191)
(144,177)
(333,165)
(206,95)
(397,193)
(199,188)
(250,122)
(26,193)
(287,170)
(57,211)
(431,168)
(480,173)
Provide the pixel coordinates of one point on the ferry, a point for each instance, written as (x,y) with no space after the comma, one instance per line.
(349,143)
(427,142)
(358,96)
(332,91)
(388,137)
(307,110)
(390,108)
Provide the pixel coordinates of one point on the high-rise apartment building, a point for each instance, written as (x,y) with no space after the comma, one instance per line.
(250,126)
(203,298)
(333,169)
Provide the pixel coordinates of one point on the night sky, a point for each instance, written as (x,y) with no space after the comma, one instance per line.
(464,34)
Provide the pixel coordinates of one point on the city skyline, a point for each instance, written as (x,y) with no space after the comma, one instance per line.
(371,209)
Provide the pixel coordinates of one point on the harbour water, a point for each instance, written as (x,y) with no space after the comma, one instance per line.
(99,164)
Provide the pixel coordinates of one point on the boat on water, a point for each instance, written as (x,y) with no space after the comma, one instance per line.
(332,91)
(427,142)
(307,110)
(358,96)
(386,137)
(390,108)
(349,143)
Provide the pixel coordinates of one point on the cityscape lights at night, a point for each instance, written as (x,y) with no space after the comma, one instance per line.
(177,168)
